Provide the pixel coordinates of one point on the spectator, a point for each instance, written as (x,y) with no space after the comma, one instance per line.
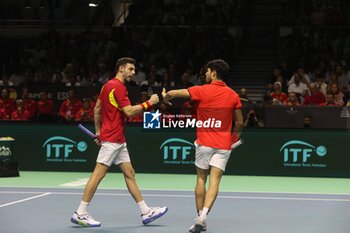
(346,93)
(293,99)
(16,78)
(44,108)
(5,81)
(278,97)
(332,79)
(277,77)
(252,121)
(297,86)
(316,97)
(73,81)
(7,104)
(67,72)
(3,115)
(167,80)
(304,77)
(267,100)
(320,70)
(140,75)
(307,121)
(103,75)
(321,84)
(243,96)
(329,100)
(185,80)
(338,95)
(20,114)
(29,103)
(85,114)
(343,79)
(70,107)
(147,86)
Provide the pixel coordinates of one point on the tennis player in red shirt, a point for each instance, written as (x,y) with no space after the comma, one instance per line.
(213,145)
(111,109)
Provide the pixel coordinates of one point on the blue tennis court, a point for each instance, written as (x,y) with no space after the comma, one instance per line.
(49,210)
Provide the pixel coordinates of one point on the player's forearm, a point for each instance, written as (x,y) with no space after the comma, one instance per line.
(133,110)
(238,127)
(238,122)
(181,93)
(98,117)
(98,122)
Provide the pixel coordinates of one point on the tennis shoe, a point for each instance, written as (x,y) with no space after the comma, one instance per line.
(198,226)
(84,220)
(153,214)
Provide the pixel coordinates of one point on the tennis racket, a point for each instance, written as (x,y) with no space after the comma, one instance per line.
(236,144)
(87,131)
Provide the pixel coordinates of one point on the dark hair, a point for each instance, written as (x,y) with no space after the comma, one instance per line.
(125,60)
(220,66)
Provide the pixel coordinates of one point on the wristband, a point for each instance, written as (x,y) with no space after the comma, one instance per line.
(145,105)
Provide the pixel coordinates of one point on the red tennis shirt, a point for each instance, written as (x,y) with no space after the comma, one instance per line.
(114,97)
(217,102)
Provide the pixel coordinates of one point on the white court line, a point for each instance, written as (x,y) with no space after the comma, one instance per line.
(23,200)
(185,190)
(191,196)
(76,183)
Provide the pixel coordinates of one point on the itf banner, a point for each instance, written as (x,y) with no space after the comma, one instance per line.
(282,152)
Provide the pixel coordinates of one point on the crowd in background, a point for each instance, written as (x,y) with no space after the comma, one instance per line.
(321,87)
(171,40)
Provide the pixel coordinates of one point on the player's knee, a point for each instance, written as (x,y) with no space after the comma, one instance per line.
(129,173)
(99,175)
(202,179)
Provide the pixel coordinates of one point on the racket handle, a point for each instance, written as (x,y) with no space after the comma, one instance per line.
(236,144)
(86,130)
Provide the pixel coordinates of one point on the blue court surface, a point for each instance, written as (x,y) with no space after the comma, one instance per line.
(48,210)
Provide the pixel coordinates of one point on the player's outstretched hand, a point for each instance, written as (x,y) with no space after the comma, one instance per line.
(165,97)
(154,99)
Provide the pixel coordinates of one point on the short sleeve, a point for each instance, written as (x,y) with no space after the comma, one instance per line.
(196,92)
(121,96)
(237,103)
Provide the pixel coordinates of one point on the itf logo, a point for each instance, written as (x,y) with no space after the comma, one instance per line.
(299,154)
(59,149)
(177,151)
(151,120)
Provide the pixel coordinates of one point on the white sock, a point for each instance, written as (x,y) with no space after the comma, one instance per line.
(143,207)
(199,212)
(204,213)
(82,208)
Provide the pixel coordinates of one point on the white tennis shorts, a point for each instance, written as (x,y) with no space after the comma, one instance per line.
(207,156)
(113,153)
